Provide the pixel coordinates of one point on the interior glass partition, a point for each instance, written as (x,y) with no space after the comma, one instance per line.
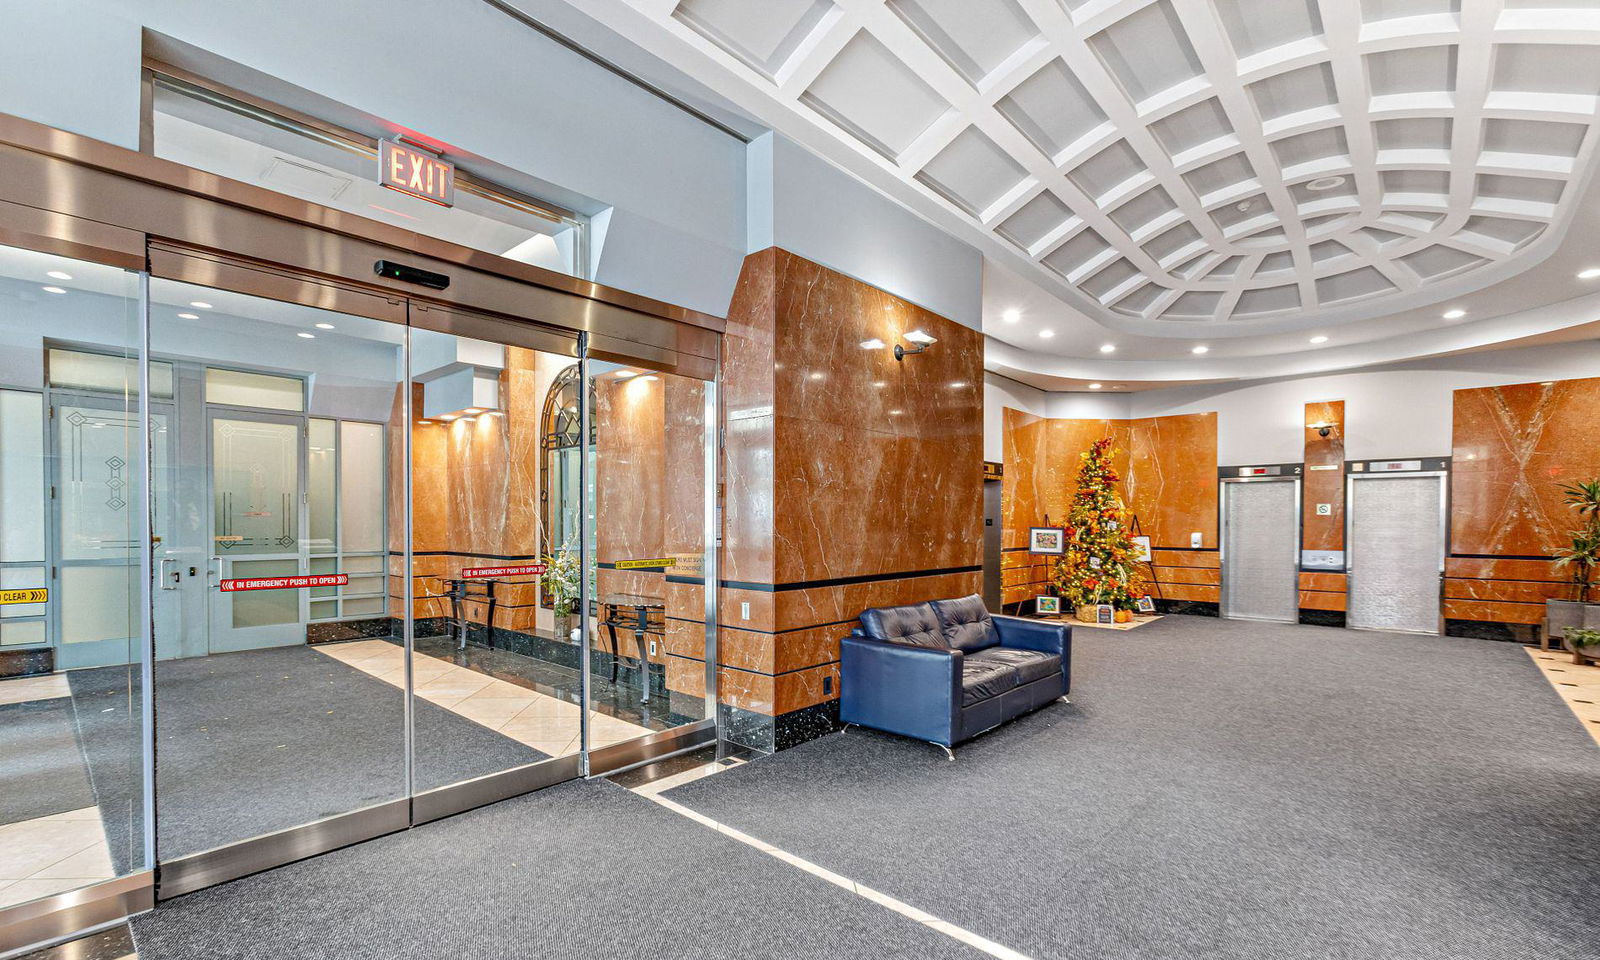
(72,789)
(646,501)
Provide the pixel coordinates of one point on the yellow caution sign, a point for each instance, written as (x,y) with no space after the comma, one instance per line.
(644,564)
(30,595)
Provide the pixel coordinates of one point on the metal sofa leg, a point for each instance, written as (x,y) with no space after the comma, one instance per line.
(846,728)
(947,751)
(1064,699)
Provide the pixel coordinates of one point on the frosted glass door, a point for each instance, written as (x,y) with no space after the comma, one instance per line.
(256,495)
(1261,551)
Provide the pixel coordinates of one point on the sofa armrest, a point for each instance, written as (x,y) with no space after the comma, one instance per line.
(913,691)
(1046,637)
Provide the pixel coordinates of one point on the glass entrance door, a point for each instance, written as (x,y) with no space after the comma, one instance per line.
(257,489)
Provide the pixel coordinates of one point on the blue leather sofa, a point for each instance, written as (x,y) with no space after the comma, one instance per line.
(947,671)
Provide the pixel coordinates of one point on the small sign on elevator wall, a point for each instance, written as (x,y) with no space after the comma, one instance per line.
(29,595)
(521,570)
(417,173)
(284,583)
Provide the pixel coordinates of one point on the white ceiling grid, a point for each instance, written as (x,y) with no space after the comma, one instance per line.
(1185,165)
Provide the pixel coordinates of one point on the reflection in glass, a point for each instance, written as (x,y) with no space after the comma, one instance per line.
(70,738)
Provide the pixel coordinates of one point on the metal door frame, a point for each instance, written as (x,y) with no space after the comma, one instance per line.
(1443,476)
(1222,541)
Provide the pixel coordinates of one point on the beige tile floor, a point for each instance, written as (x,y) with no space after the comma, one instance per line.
(542,722)
(1578,686)
(52,855)
(24,689)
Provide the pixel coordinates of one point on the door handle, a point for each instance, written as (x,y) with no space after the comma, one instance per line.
(169,576)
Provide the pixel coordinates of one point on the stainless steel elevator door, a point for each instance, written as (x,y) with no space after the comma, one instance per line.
(1261,551)
(1396,548)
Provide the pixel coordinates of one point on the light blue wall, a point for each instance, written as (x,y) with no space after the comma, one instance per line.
(802,203)
(457,70)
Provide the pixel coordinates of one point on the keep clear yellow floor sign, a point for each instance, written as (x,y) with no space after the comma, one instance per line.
(30,595)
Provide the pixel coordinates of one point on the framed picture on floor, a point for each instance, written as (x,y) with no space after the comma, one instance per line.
(1046,605)
(1051,541)
(1147,604)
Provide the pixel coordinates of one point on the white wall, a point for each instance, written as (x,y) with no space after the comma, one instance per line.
(456,70)
(1401,410)
(804,204)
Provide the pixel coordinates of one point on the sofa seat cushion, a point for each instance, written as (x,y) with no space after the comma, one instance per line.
(1030,665)
(982,679)
(913,623)
(966,623)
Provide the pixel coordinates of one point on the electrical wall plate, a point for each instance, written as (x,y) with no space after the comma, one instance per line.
(1197,540)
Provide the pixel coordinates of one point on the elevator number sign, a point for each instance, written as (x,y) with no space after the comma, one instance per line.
(416,172)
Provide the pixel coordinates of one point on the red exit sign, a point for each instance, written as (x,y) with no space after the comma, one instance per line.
(416,172)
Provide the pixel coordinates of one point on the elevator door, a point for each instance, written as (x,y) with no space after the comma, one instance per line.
(1396,553)
(1261,550)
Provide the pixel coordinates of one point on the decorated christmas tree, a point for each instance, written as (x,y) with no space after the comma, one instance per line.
(1099,563)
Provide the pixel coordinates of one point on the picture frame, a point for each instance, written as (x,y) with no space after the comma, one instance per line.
(1147,604)
(1141,549)
(1043,605)
(1050,541)
(1105,613)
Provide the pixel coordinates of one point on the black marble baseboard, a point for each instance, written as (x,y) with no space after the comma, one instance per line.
(1491,630)
(1322,618)
(771,734)
(550,650)
(27,663)
(1192,608)
(337,631)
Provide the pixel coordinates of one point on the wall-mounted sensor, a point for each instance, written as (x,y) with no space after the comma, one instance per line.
(405,274)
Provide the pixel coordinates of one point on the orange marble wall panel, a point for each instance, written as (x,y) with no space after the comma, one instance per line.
(1184,591)
(816,606)
(1171,477)
(1490,568)
(630,455)
(1186,558)
(1319,532)
(1512,591)
(1495,611)
(1320,600)
(1195,575)
(1021,484)
(1513,446)
(1324,582)
(804,688)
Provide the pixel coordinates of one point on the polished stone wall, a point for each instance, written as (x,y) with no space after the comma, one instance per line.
(1323,482)
(852,480)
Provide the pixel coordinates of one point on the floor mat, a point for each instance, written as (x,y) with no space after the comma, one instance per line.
(41,765)
(581,870)
(1224,789)
(253,742)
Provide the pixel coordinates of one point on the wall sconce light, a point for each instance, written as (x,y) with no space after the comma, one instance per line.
(918,337)
(1323,429)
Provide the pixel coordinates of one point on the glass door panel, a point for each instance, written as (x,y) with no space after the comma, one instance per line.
(279,701)
(71,738)
(497,665)
(651,434)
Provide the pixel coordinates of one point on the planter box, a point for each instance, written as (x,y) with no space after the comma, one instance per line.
(1561,614)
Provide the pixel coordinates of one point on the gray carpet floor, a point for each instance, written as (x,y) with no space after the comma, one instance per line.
(1225,790)
(41,765)
(253,742)
(581,870)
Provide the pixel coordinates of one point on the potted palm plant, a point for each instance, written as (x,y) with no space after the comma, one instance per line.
(561,586)
(1581,558)
(1584,644)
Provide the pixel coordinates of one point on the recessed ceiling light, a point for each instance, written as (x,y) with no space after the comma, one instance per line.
(1588,274)
(58,275)
(1319,339)
(424,423)
(873,344)
(447,417)
(199,304)
(1047,334)
(650,379)
(1325,183)
(324,326)
(306,336)
(188,316)
(1455,314)
(1108,348)
(1200,349)
(1243,205)
(625,374)
(1011,316)
(1094,386)
(473,410)
(53,289)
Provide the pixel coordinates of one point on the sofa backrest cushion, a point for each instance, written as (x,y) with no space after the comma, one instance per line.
(966,623)
(914,624)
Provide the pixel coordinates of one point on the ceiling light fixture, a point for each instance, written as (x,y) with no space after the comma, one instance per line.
(324,326)
(920,337)
(424,423)
(1047,334)
(53,289)
(1094,386)
(1455,314)
(625,374)
(1200,349)
(188,316)
(1108,348)
(1325,183)
(199,304)
(306,336)
(58,275)
(1319,339)
(650,379)
(1588,274)
(1011,316)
